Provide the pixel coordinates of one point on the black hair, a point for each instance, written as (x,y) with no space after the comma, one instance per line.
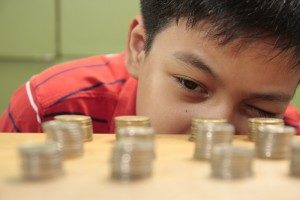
(230,19)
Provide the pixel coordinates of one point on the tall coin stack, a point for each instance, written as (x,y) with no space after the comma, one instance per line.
(68,135)
(125,121)
(132,159)
(198,121)
(273,141)
(254,123)
(295,159)
(230,162)
(210,134)
(85,123)
(40,161)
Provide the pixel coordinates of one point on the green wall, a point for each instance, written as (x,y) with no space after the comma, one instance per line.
(27,29)
(47,29)
(90,27)
(13,74)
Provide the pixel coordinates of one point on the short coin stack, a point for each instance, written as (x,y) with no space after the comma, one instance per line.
(254,123)
(210,134)
(230,162)
(40,161)
(198,121)
(138,133)
(132,159)
(136,121)
(273,141)
(295,159)
(85,123)
(68,135)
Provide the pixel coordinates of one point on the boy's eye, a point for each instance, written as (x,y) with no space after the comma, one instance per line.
(258,112)
(191,85)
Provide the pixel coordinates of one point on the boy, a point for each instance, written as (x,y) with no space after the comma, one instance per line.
(215,59)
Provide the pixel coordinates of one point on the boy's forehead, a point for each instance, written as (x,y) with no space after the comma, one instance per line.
(264,49)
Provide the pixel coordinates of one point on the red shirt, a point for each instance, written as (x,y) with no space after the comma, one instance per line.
(98,86)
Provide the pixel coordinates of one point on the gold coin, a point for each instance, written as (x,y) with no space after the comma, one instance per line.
(78,118)
(124,121)
(132,121)
(197,120)
(254,123)
(84,121)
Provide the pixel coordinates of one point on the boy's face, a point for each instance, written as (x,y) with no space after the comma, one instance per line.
(185,75)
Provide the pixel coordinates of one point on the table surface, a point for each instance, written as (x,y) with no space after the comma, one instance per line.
(175,176)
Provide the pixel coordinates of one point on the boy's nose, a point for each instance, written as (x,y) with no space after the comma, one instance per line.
(224,111)
(230,113)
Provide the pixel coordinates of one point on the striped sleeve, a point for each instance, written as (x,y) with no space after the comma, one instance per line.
(22,112)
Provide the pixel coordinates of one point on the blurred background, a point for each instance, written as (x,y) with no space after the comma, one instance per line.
(36,34)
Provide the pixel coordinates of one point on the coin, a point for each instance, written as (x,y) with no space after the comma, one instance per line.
(231,162)
(138,133)
(133,121)
(146,133)
(197,121)
(40,161)
(85,123)
(273,141)
(132,159)
(254,123)
(68,135)
(295,158)
(209,134)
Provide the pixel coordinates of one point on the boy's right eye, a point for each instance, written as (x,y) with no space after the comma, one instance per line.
(192,86)
(188,84)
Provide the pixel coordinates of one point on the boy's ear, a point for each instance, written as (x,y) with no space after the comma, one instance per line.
(135,51)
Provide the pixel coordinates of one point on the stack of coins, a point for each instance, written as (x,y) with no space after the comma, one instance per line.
(198,121)
(138,133)
(132,159)
(273,141)
(40,161)
(125,121)
(229,162)
(143,133)
(254,123)
(68,135)
(85,123)
(295,159)
(210,134)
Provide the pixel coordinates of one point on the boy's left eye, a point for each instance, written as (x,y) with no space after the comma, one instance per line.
(258,112)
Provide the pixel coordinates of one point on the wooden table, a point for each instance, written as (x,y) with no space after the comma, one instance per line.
(176,175)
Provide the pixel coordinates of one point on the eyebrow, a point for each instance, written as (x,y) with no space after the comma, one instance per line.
(194,61)
(276,97)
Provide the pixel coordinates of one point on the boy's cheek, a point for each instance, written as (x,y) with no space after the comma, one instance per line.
(168,116)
